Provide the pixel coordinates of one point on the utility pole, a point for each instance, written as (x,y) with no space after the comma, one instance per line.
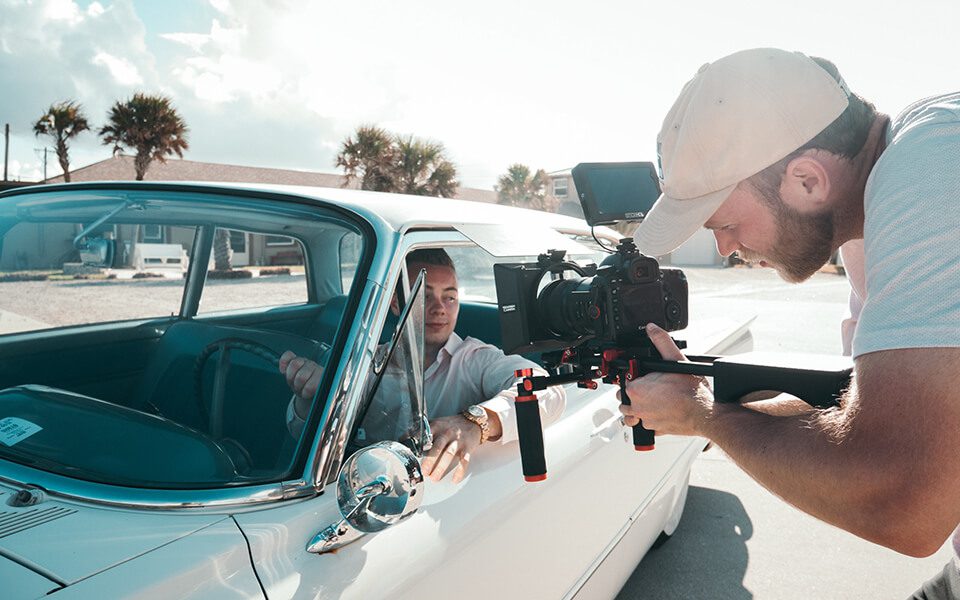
(6,148)
(45,151)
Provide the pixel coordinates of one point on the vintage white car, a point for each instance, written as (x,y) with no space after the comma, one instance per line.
(144,443)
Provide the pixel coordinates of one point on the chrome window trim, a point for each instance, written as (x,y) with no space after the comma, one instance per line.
(328,447)
(58,486)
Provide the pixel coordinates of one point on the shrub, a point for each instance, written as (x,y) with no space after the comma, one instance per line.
(147,275)
(237,274)
(275,271)
(24,277)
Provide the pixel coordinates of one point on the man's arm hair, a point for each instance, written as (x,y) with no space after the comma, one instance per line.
(883,465)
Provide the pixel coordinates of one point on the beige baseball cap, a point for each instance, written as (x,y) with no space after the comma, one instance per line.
(736,117)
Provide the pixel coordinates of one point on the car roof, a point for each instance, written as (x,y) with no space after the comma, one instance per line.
(402,211)
(398,212)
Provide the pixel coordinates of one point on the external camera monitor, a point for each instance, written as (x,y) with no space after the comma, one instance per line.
(612,192)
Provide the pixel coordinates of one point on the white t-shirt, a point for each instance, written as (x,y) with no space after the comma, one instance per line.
(905,273)
(911,246)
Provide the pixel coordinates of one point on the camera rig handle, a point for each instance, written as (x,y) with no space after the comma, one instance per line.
(818,381)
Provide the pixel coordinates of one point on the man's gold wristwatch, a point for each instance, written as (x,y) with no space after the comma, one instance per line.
(476,414)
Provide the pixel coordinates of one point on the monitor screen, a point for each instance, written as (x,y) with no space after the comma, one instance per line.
(611,192)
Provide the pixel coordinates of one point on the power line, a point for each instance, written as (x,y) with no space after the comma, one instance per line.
(45,150)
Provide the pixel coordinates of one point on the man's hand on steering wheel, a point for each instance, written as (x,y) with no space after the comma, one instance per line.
(303,376)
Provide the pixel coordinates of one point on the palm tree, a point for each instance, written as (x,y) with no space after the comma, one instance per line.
(222,253)
(370,157)
(519,188)
(389,163)
(423,169)
(148,125)
(62,121)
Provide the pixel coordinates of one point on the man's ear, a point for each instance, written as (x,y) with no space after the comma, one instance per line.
(806,184)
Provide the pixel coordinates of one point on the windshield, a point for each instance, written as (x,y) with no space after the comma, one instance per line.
(140,331)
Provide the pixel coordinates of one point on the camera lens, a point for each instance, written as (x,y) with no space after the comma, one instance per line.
(568,308)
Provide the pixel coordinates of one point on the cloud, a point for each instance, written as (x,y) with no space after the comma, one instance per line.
(18,171)
(95,9)
(54,50)
(62,10)
(92,57)
(123,71)
(272,83)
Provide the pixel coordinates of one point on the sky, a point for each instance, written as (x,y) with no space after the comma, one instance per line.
(278,83)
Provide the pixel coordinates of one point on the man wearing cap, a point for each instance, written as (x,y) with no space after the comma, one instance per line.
(770,151)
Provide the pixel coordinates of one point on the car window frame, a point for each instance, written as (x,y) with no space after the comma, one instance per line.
(224,496)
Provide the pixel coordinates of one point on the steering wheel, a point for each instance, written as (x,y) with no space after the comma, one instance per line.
(213,419)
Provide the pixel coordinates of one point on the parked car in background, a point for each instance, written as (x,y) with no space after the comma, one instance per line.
(144,447)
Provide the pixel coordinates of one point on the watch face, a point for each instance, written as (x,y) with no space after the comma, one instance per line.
(477,411)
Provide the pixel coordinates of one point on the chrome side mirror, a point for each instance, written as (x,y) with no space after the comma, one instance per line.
(378,486)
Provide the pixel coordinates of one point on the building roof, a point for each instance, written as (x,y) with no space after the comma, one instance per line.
(120,168)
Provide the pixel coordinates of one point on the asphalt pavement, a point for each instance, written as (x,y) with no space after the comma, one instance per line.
(738,541)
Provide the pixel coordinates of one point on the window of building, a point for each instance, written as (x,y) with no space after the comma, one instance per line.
(560,187)
(153,234)
(279,240)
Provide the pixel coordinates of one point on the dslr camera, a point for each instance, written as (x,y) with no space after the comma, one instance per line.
(606,306)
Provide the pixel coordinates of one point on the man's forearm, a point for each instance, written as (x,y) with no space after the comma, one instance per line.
(811,462)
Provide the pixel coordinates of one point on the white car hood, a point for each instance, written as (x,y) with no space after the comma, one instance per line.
(65,542)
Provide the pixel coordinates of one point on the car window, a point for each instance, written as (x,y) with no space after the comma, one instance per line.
(44,284)
(474,272)
(253,270)
(183,402)
(350,248)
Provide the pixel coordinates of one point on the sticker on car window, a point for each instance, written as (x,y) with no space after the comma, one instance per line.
(14,430)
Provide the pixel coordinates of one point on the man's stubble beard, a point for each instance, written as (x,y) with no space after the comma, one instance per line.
(804,242)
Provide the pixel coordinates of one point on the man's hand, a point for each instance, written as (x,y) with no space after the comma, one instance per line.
(454,440)
(303,376)
(668,403)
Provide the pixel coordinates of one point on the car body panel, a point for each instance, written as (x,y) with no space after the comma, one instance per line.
(21,582)
(461,526)
(211,564)
(577,534)
(57,535)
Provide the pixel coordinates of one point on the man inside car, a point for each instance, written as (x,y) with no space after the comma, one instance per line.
(468,385)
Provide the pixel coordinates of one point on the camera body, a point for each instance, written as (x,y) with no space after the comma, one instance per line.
(607,305)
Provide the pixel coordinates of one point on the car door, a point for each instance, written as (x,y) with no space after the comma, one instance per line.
(532,539)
